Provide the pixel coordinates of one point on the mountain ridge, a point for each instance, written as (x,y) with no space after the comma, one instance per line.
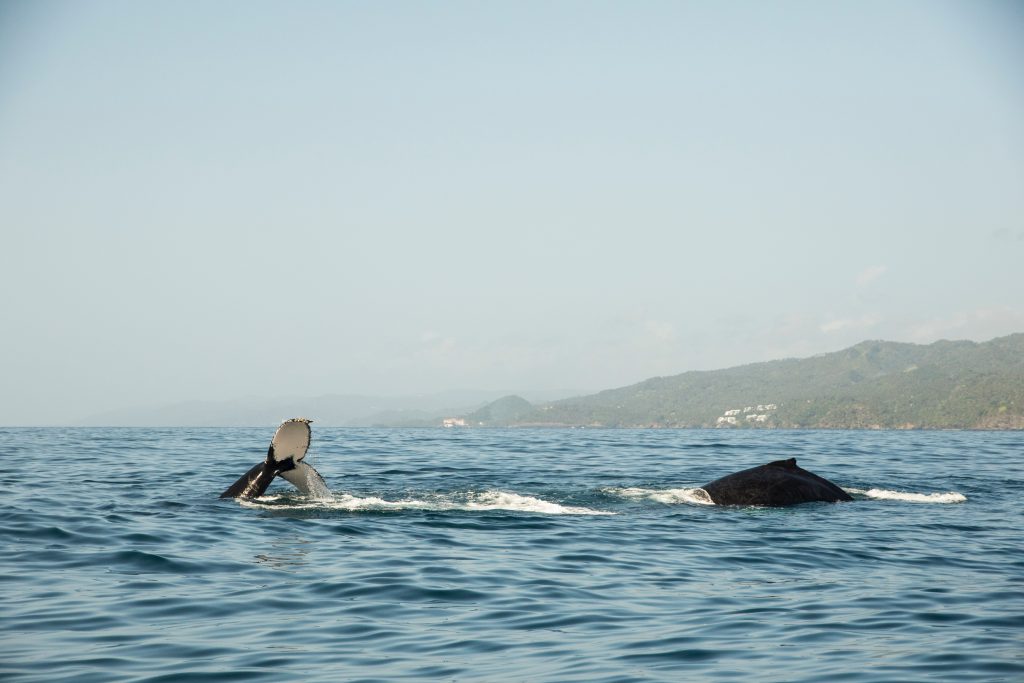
(871,385)
(874,384)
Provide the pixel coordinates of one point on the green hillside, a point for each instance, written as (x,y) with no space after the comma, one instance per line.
(873,385)
(504,411)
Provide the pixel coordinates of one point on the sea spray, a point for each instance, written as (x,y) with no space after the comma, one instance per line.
(909,497)
(465,501)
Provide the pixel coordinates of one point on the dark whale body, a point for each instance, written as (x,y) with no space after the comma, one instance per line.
(778,483)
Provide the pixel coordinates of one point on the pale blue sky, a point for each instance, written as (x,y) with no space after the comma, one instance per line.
(216,199)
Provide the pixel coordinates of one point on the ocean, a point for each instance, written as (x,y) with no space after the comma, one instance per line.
(509,555)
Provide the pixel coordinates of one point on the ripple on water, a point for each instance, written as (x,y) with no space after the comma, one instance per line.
(479,555)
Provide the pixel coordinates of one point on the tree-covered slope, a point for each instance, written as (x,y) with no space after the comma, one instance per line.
(874,384)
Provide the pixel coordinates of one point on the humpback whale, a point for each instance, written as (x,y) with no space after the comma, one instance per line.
(285,458)
(778,483)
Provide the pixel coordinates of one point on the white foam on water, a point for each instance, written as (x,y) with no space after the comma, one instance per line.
(501,500)
(909,497)
(694,496)
(487,500)
(342,501)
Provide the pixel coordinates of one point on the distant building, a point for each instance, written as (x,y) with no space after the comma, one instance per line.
(750,414)
(453,422)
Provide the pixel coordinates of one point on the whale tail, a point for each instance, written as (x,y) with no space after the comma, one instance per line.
(284,457)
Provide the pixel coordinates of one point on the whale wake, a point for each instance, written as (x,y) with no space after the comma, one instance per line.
(910,497)
(698,496)
(468,502)
(693,496)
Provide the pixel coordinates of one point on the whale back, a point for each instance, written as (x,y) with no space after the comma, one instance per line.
(778,483)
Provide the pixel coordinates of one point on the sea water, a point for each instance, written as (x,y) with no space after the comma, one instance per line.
(509,555)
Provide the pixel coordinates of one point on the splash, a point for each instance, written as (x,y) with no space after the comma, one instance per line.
(470,502)
(694,496)
(501,500)
(908,497)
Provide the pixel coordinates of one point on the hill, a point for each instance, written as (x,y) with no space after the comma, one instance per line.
(873,385)
(507,410)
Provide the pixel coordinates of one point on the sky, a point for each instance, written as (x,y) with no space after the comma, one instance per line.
(213,200)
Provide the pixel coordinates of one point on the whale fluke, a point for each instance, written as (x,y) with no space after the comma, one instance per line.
(778,483)
(285,458)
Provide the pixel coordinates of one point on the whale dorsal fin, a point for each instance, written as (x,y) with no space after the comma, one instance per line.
(789,464)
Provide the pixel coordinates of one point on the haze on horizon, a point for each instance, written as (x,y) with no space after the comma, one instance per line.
(215,200)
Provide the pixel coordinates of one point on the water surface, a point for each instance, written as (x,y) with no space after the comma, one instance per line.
(555,555)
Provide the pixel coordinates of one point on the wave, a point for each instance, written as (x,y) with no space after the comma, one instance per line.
(695,496)
(500,500)
(909,497)
(496,500)
(698,496)
(469,502)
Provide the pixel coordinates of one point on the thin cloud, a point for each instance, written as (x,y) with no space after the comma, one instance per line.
(849,324)
(870,274)
(979,324)
(660,332)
